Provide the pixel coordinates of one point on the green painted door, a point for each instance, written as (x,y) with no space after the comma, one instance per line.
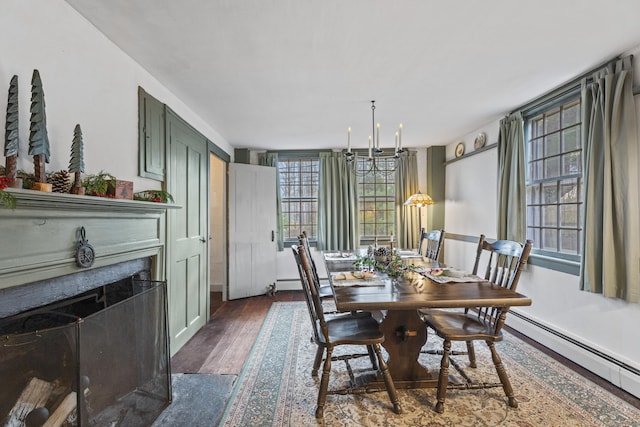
(187,231)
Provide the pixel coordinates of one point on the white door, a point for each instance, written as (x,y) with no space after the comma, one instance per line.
(252,229)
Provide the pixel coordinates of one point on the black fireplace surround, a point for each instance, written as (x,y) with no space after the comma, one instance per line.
(88,349)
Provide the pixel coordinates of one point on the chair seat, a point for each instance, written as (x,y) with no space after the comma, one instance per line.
(459,326)
(353,330)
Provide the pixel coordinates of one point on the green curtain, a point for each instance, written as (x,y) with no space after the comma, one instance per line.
(407,219)
(610,146)
(512,203)
(338,223)
(271,159)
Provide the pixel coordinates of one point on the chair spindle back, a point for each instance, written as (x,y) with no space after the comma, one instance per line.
(310,287)
(431,243)
(506,260)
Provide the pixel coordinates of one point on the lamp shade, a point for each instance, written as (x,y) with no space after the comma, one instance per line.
(419,200)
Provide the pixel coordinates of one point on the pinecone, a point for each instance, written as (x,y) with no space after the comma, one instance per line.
(60,181)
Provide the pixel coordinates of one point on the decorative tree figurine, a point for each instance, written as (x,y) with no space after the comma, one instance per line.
(76,164)
(38,137)
(11,135)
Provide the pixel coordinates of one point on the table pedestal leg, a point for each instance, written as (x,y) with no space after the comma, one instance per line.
(404,335)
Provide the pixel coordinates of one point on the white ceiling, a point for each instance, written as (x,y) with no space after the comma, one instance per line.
(294,74)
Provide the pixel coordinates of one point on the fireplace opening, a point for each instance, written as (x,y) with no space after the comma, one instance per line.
(99,358)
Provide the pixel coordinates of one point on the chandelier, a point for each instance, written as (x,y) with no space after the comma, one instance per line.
(377,161)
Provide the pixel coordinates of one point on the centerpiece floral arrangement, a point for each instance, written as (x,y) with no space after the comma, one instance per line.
(383,259)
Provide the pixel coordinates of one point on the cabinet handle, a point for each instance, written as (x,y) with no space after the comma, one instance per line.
(273,235)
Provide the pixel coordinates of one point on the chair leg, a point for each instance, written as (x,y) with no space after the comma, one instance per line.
(443,378)
(324,383)
(317,361)
(471,354)
(388,381)
(372,357)
(502,373)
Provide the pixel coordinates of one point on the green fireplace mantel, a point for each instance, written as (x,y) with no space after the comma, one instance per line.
(39,238)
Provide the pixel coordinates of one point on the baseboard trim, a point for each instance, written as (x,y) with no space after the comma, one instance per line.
(289,284)
(616,371)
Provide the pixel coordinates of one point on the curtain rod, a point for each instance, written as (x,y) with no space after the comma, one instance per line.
(562,89)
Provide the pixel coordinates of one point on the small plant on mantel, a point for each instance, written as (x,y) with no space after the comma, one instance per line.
(157,196)
(96,185)
(7,200)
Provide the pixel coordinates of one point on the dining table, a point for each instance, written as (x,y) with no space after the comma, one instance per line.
(395,303)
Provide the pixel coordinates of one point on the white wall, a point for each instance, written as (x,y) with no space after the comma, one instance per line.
(87,80)
(604,324)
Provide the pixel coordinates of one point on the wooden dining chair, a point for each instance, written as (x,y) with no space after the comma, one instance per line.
(431,243)
(505,260)
(325,290)
(341,330)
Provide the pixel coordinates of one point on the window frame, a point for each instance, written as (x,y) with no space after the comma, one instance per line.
(559,261)
(366,239)
(288,155)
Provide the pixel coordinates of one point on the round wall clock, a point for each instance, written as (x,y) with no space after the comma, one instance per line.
(460,149)
(481,139)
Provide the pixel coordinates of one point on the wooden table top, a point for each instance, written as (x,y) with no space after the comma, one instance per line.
(415,291)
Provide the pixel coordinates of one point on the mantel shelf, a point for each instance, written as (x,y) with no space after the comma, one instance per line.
(31,199)
(40,236)
(471,153)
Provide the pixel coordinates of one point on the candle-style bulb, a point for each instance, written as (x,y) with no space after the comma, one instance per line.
(348,140)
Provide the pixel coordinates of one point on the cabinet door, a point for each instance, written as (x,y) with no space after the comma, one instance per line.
(252,229)
(151,135)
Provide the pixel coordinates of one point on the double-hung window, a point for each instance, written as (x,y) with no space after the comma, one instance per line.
(554,177)
(376,200)
(299,185)
(299,196)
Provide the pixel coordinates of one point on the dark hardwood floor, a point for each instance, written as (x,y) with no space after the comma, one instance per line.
(223,345)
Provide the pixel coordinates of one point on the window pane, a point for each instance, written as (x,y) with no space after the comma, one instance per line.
(569,190)
(552,167)
(533,195)
(552,145)
(571,114)
(537,127)
(550,216)
(535,170)
(535,149)
(549,239)
(569,215)
(569,241)
(533,215)
(571,138)
(552,121)
(571,163)
(550,192)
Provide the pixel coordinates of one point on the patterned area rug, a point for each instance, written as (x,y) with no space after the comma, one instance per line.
(276,388)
